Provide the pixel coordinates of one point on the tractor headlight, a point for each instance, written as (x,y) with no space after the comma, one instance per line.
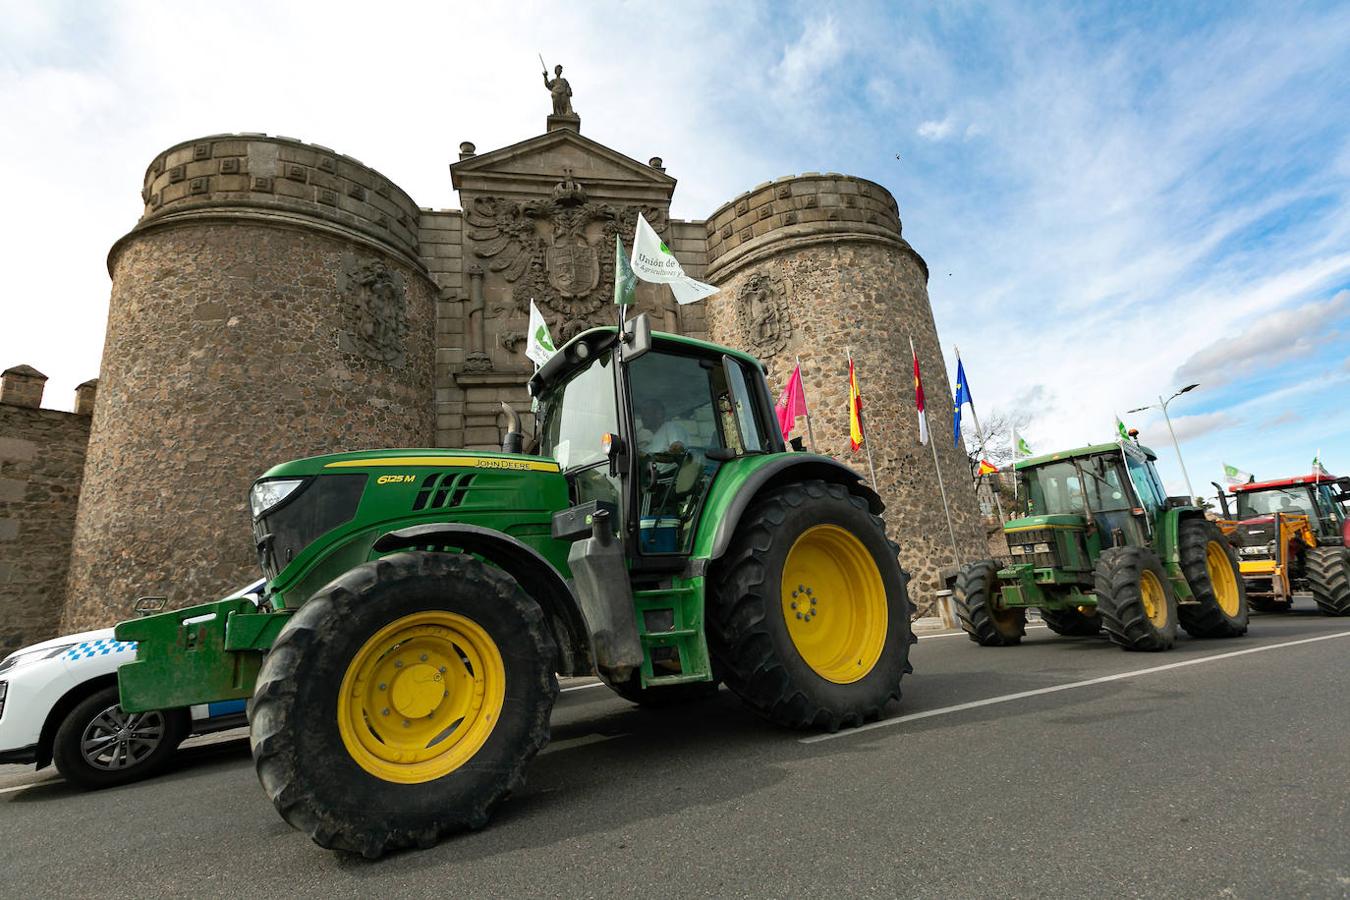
(267,494)
(1017,550)
(1041,548)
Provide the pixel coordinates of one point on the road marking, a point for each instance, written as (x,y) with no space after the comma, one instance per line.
(929,637)
(1022,695)
(24,787)
(581,687)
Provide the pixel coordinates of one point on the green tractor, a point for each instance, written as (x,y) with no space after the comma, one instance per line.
(420,603)
(1101,546)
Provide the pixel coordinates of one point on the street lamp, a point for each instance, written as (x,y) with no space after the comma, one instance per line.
(1162,404)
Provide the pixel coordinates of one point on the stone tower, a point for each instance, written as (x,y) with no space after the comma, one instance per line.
(813,266)
(270,304)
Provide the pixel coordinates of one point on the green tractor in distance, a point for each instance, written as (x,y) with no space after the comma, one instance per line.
(419,602)
(1101,546)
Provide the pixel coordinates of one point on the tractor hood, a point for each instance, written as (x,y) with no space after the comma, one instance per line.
(1061,520)
(411,460)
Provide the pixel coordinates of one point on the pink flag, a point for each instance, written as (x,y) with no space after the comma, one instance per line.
(791,403)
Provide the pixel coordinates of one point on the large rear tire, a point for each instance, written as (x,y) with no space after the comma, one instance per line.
(982,619)
(1135,599)
(1072,622)
(403,702)
(1212,572)
(1329,579)
(809,620)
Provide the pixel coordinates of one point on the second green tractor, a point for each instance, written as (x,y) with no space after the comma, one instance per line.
(1101,547)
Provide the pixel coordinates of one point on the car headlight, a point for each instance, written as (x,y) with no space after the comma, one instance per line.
(24,657)
(267,494)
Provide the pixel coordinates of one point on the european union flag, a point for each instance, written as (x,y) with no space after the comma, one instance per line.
(962,396)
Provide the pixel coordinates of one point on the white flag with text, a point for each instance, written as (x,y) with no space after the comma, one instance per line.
(652,261)
(539,345)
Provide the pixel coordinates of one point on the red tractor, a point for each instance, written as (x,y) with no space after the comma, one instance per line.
(1293,535)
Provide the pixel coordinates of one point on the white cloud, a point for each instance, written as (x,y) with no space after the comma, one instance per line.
(806,61)
(1189,427)
(1267,341)
(935,130)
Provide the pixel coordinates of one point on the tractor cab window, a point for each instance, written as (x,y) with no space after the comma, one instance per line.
(1290,501)
(1145,484)
(573,416)
(1054,489)
(1328,509)
(680,408)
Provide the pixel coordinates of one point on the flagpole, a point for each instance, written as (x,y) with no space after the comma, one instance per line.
(810,435)
(979,433)
(932,445)
(867,445)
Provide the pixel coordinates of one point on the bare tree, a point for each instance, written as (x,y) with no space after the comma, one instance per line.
(998,427)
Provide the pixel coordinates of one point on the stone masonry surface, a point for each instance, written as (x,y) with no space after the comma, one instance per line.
(41,463)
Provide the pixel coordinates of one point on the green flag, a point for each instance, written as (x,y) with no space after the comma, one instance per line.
(1020,446)
(1121,430)
(625,281)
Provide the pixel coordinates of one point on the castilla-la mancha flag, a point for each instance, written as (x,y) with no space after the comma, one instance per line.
(791,403)
(918,397)
(855,425)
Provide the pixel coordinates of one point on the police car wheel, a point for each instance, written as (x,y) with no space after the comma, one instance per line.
(98,745)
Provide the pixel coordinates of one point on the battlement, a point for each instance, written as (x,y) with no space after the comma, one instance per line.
(23,385)
(798,208)
(281,178)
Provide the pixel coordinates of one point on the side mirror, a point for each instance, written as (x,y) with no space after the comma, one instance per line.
(636,338)
(146,606)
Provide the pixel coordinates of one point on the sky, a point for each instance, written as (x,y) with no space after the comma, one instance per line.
(1114,200)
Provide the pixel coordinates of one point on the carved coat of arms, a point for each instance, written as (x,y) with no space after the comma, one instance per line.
(377,313)
(558,251)
(762,308)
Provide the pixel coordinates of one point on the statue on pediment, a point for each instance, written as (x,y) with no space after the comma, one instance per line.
(561,92)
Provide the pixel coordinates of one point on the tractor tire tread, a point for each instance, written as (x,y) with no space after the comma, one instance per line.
(1120,600)
(1329,579)
(971,596)
(280,765)
(1207,619)
(746,594)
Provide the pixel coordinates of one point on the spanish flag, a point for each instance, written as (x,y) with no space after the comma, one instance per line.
(855,426)
(986,468)
(918,397)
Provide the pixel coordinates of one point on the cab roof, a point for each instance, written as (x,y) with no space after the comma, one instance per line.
(598,340)
(1078,453)
(1296,481)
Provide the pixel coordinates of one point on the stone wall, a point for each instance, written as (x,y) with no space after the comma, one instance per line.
(243,331)
(41,463)
(811,267)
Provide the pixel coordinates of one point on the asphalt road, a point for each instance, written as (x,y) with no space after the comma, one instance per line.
(1214,775)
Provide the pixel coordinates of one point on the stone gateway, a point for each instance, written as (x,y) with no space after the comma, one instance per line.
(278,299)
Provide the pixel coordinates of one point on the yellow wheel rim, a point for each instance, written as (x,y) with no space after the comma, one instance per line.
(1154,597)
(421,697)
(1221,578)
(834,603)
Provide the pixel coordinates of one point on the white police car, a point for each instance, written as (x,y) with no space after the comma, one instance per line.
(59,704)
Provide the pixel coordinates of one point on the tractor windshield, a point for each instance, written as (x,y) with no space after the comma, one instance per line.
(1291,500)
(1093,484)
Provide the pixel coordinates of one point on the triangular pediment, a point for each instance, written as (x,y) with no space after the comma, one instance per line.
(540,162)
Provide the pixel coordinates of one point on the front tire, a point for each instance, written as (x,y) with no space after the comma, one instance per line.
(809,624)
(1135,599)
(1211,569)
(97,745)
(1329,579)
(987,624)
(403,702)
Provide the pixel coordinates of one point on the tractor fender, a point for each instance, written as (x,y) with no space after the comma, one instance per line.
(785,468)
(535,574)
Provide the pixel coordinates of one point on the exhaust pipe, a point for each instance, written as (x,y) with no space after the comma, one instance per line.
(515,439)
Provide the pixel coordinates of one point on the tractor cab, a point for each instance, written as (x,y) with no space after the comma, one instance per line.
(1078,502)
(1277,526)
